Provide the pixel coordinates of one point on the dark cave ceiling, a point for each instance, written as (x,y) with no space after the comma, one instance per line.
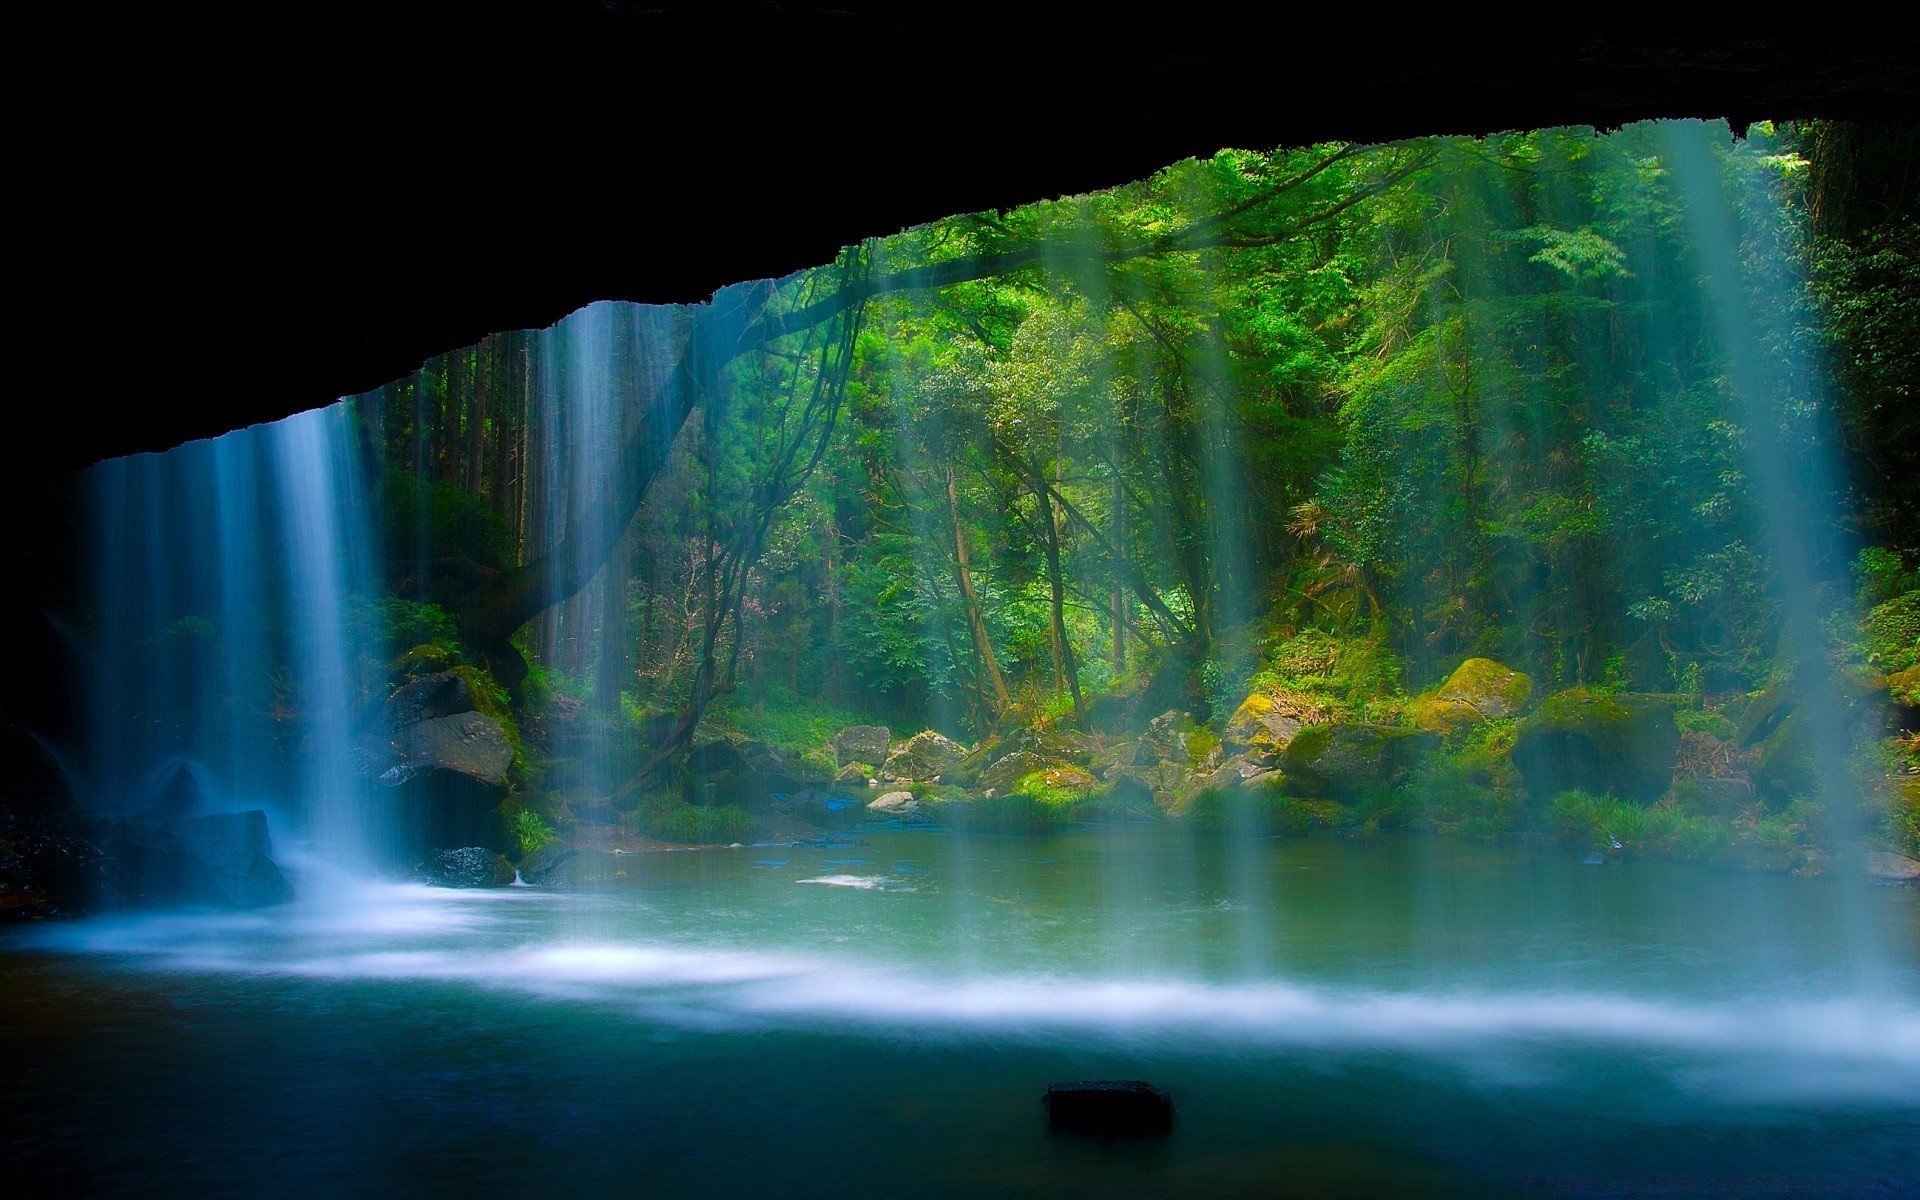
(236,215)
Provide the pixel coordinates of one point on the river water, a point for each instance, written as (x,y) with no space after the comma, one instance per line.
(1396,1017)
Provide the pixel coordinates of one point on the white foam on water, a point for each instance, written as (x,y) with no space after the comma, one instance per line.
(865,883)
(1766,1049)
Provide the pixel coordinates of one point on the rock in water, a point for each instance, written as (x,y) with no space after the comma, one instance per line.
(1109,1108)
(546,863)
(1886,867)
(221,859)
(861,744)
(894,804)
(468,867)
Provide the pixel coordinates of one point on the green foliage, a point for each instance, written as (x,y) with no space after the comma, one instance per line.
(1882,574)
(1902,826)
(397,624)
(425,520)
(1042,787)
(673,820)
(1450,799)
(1350,677)
(793,723)
(530,832)
(1891,633)
(1594,822)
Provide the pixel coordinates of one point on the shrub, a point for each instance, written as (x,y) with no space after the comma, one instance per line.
(530,832)
(674,820)
(1660,829)
(1454,797)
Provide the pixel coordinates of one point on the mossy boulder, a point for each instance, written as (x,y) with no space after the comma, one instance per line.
(1243,770)
(1479,689)
(855,774)
(1010,769)
(1345,759)
(925,755)
(1595,742)
(1779,728)
(427,658)
(861,744)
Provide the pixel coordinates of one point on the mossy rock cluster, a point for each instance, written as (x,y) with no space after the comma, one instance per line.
(1624,744)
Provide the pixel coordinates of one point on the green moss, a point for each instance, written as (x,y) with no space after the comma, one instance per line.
(1705,720)
(1310,742)
(1891,633)
(1057,788)
(1578,705)
(428,658)
(491,698)
(1200,743)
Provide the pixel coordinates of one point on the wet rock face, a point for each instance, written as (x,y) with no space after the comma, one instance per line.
(1109,1108)
(1479,689)
(470,744)
(223,859)
(443,763)
(1348,759)
(861,744)
(1624,744)
(431,725)
(467,867)
(439,695)
(544,865)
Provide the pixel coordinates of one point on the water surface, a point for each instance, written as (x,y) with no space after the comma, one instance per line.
(1391,1018)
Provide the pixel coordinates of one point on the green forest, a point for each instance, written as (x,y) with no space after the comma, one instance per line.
(1431,486)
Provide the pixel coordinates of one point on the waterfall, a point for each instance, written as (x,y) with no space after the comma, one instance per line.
(233,602)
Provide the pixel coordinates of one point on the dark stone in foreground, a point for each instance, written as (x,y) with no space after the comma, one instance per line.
(1109,1107)
(221,859)
(468,867)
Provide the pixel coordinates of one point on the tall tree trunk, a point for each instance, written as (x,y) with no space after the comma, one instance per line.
(1063,646)
(1000,701)
(477,416)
